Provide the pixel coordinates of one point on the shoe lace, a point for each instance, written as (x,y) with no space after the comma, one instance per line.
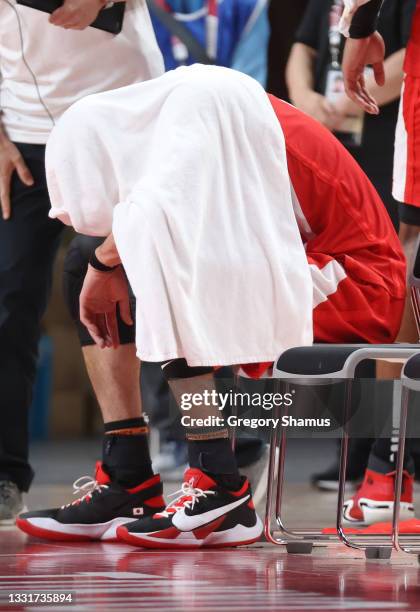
(188,496)
(87,486)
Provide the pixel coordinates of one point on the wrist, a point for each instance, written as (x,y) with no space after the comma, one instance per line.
(104,261)
(365,20)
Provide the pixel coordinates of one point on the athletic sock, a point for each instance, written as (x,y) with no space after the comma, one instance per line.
(127,427)
(209,448)
(125,452)
(216,458)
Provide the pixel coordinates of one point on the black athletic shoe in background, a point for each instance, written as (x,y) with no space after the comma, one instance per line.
(358,457)
(205,514)
(97,514)
(328,480)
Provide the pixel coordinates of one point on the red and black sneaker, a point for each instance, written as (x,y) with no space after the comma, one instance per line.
(96,515)
(374,500)
(205,514)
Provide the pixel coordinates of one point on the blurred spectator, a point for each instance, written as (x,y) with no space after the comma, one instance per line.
(44,70)
(314,74)
(232,33)
(283,25)
(315,84)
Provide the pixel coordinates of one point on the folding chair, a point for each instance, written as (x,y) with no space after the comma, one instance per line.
(323,364)
(410,385)
(410,378)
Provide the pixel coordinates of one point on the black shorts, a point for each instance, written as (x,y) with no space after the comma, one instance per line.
(410,215)
(75,267)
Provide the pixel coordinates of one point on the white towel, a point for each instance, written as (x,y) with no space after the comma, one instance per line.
(189,171)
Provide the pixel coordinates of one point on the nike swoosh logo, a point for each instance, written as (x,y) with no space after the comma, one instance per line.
(183,522)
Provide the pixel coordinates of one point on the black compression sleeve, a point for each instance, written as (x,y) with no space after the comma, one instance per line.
(365,19)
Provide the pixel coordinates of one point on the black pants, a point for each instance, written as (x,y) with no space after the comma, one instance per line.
(28,245)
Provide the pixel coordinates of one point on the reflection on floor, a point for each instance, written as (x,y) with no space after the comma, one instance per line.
(117,577)
(261,577)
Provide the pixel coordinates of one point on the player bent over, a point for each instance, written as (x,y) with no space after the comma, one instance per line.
(241,224)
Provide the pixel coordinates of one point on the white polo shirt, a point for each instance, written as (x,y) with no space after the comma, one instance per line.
(67,65)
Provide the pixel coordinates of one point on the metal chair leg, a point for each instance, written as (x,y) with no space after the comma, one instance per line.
(344,451)
(271,479)
(295,542)
(374,548)
(396,538)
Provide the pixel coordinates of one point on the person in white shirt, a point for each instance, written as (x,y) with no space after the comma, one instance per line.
(44,69)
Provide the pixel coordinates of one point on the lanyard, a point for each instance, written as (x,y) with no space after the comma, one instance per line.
(334,36)
(211,13)
(212,28)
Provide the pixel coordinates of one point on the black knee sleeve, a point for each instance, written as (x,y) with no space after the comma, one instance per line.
(178,369)
(75,267)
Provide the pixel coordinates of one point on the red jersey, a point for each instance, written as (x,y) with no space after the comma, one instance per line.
(346,229)
(355,257)
(412,56)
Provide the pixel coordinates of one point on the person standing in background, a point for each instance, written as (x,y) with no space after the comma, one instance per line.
(365,46)
(314,62)
(232,33)
(44,70)
(283,25)
(315,83)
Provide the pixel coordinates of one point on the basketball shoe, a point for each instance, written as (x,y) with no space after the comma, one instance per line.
(96,515)
(374,500)
(205,514)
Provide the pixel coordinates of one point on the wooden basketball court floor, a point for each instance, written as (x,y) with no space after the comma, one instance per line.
(117,577)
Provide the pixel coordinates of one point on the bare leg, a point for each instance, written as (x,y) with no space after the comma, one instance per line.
(383,448)
(408,330)
(209,447)
(115,377)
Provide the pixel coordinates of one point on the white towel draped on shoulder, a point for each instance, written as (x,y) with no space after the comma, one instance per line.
(189,171)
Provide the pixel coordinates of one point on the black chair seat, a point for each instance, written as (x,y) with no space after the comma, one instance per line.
(322,359)
(412,367)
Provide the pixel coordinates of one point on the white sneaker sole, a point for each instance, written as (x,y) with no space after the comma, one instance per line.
(50,529)
(236,536)
(375,512)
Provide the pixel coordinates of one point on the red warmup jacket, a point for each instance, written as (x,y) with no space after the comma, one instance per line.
(356,260)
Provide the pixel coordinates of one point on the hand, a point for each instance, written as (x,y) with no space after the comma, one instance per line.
(358,53)
(318,107)
(76,14)
(101,293)
(10,161)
